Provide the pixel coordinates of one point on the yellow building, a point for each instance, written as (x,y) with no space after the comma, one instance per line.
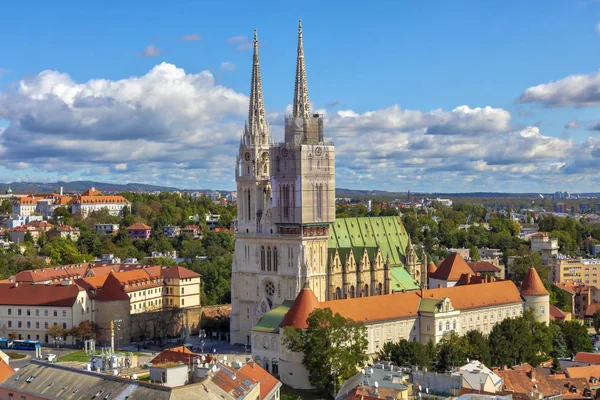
(565,269)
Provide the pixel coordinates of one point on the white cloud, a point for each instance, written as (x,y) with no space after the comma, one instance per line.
(237,39)
(571,91)
(227,66)
(190,38)
(245,46)
(175,128)
(151,51)
(573,124)
(598,28)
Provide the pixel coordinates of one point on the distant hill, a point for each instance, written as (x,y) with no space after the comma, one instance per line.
(341,192)
(80,186)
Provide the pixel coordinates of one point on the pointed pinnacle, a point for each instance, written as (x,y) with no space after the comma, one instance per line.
(301,103)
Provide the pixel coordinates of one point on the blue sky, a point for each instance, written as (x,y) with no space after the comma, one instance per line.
(391,78)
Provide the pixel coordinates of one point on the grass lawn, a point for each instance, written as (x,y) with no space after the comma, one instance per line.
(79,356)
(288,393)
(15,356)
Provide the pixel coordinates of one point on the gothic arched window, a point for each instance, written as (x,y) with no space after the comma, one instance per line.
(269,258)
(275,259)
(262,258)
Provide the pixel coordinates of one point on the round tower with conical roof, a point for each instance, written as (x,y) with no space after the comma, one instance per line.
(536,296)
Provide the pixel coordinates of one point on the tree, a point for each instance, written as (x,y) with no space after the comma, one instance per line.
(28,238)
(576,336)
(85,330)
(56,331)
(334,347)
(452,351)
(478,347)
(597,321)
(408,353)
(559,344)
(5,207)
(525,259)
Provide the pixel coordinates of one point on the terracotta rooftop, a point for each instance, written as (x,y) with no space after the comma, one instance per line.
(112,290)
(483,266)
(267,381)
(303,305)
(72,271)
(452,268)
(402,305)
(179,354)
(431,268)
(591,358)
(138,226)
(591,309)
(5,370)
(587,371)
(39,295)
(532,284)
(234,382)
(556,314)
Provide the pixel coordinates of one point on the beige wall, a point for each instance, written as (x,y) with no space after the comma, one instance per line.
(107,311)
(35,320)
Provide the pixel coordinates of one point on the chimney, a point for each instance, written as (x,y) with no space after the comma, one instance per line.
(531,374)
(439,285)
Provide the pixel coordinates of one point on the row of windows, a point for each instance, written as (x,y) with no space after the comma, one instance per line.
(156,303)
(32,324)
(28,312)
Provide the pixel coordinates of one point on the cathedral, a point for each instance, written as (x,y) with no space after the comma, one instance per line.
(287,236)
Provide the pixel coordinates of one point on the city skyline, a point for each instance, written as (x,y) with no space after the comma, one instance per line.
(416,97)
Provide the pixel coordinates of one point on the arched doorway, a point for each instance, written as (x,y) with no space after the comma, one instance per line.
(352,292)
(366,291)
(338,293)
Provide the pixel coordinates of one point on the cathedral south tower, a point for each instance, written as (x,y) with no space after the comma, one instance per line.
(286,204)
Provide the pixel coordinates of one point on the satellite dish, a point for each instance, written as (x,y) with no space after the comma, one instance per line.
(376,384)
(224,358)
(134,376)
(371,371)
(115,372)
(363,371)
(215,368)
(203,358)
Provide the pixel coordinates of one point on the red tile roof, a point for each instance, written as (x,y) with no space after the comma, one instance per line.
(452,268)
(483,266)
(139,226)
(556,314)
(101,200)
(92,192)
(591,358)
(179,354)
(532,285)
(303,305)
(5,370)
(39,295)
(234,382)
(591,309)
(73,271)
(112,290)
(258,373)
(431,268)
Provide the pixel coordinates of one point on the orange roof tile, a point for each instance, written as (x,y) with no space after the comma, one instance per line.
(452,268)
(303,305)
(592,358)
(532,285)
(483,266)
(236,383)
(431,268)
(112,290)
(376,308)
(5,370)
(101,200)
(178,354)
(475,296)
(583,372)
(72,271)
(38,295)
(258,373)
(556,314)
(92,192)
(139,226)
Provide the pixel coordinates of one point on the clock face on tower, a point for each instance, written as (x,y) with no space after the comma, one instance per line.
(318,151)
(247,156)
(284,152)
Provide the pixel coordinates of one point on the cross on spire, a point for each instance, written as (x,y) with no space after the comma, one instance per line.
(256,113)
(301,104)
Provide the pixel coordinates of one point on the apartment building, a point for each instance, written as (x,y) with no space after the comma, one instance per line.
(564,269)
(27,311)
(546,246)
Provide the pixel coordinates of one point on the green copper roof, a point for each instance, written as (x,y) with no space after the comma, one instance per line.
(269,323)
(355,234)
(428,305)
(401,280)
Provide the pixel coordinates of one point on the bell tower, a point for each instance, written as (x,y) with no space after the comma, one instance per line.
(303,181)
(252,172)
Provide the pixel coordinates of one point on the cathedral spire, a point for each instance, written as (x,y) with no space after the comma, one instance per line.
(256,112)
(301,104)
